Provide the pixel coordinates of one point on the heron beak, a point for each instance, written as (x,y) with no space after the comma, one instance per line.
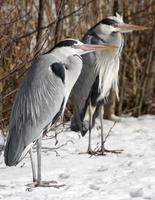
(125,28)
(94,47)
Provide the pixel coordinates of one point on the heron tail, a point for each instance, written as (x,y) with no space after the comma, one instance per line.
(13,150)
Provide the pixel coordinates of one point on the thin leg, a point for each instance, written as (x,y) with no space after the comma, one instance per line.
(102,134)
(90,127)
(39,144)
(103,150)
(33,165)
(38,182)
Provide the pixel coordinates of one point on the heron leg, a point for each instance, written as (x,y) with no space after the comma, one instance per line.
(102,134)
(38,182)
(103,150)
(90,127)
(39,144)
(33,165)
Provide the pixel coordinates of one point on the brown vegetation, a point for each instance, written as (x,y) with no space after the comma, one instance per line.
(28,28)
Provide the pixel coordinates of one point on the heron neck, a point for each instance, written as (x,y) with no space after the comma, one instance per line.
(107,68)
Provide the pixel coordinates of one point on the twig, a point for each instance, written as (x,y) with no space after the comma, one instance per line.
(40,23)
(108,134)
(62,145)
(16,39)
(4,97)
(15,20)
(57,22)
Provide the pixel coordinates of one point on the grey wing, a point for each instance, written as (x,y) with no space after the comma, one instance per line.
(36,104)
(82,88)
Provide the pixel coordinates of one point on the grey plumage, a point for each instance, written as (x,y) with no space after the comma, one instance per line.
(96,65)
(34,107)
(42,98)
(37,102)
(99,74)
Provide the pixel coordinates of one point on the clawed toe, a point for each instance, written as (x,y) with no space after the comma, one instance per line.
(95,153)
(102,152)
(53,184)
(113,151)
(90,151)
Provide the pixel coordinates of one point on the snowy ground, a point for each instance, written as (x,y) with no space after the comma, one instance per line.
(127,176)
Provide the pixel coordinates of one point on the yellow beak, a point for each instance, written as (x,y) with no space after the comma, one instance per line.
(94,47)
(125,28)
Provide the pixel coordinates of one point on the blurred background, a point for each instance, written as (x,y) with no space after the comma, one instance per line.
(30,27)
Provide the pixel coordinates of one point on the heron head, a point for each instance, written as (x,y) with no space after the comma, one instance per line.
(119,25)
(72,46)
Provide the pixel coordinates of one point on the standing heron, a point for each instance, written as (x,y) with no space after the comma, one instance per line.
(99,75)
(41,100)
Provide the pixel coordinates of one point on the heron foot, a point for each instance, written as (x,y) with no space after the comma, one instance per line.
(103,151)
(90,151)
(118,151)
(93,152)
(53,184)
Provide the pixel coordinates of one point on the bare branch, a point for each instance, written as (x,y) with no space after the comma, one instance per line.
(108,134)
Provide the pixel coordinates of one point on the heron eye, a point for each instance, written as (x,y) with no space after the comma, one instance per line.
(114,32)
(115,25)
(66,66)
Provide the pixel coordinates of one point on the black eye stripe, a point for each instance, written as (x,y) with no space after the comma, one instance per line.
(109,21)
(65,43)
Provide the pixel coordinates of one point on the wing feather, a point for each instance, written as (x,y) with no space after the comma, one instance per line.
(82,88)
(38,100)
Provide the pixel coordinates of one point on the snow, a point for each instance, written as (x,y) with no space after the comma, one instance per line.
(126,176)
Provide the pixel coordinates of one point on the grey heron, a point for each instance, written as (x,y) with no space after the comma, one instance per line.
(99,75)
(41,99)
